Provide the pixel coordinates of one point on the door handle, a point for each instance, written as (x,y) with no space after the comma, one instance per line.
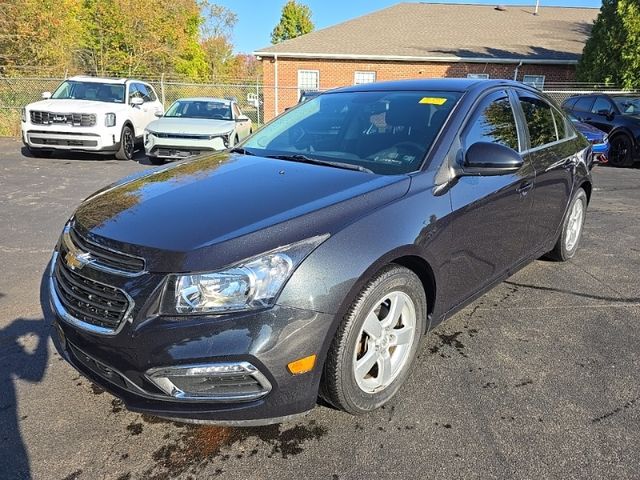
(524,187)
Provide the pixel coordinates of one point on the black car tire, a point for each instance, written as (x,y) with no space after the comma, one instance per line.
(621,141)
(339,385)
(127,144)
(561,252)
(40,153)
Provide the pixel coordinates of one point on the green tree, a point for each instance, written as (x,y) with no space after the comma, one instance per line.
(295,21)
(217,28)
(612,52)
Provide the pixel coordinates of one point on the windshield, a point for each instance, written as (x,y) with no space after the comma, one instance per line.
(95,91)
(388,132)
(211,110)
(628,104)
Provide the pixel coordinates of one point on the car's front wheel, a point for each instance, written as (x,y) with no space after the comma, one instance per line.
(372,352)
(569,239)
(127,144)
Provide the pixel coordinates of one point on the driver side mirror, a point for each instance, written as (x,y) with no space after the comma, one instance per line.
(46,95)
(136,101)
(242,118)
(485,158)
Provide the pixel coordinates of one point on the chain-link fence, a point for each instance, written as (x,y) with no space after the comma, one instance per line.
(257,100)
(16,92)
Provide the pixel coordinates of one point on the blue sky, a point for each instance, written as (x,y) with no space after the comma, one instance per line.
(256,18)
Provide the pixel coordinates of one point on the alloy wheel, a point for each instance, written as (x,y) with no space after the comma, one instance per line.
(574,225)
(384,342)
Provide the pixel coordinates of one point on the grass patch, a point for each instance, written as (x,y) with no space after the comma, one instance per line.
(10,122)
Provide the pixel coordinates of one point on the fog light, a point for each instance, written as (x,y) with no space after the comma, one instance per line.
(302,365)
(213,382)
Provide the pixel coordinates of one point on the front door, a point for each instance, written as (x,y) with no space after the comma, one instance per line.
(490,223)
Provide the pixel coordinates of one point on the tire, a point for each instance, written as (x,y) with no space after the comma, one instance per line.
(127,144)
(569,239)
(40,153)
(621,150)
(353,344)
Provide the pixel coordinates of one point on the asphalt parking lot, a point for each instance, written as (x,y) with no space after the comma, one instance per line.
(540,378)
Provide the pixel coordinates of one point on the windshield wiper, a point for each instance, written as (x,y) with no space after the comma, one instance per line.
(242,151)
(316,161)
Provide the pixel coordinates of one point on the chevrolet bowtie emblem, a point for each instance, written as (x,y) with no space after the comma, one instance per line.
(75,261)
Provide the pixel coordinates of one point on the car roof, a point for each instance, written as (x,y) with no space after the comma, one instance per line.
(226,101)
(444,84)
(115,81)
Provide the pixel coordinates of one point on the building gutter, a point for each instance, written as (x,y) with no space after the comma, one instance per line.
(410,58)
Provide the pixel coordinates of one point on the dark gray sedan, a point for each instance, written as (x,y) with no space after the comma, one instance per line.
(311,258)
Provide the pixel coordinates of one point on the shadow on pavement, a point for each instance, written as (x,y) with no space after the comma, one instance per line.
(19,360)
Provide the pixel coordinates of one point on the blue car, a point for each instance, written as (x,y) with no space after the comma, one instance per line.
(598,139)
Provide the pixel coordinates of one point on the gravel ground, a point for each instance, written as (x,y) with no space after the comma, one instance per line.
(537,379)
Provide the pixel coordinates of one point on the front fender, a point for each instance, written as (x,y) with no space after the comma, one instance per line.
(330,278)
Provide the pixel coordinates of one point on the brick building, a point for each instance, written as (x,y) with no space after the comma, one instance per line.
(414,40)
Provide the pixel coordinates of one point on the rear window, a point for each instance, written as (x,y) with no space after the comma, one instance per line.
(570,103)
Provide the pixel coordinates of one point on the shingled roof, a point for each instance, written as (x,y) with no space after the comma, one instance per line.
(449,32)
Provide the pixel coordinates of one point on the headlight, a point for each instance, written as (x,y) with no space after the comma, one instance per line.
(24,114)
(250,284)
(110,120)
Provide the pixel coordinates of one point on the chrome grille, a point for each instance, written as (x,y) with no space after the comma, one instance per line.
(105,257)
(50,118)
(89,301)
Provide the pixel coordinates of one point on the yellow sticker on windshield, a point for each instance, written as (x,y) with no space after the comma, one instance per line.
(433,100)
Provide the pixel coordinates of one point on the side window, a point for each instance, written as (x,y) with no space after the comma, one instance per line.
(152,95)
(236,111)
(134,91)
(493,121)
(144,92)
(583,104)
(537,113)
(601,105)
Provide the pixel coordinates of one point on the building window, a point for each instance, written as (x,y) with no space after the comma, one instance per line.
(364,77)
(308,80)
(536,81)
(478,76)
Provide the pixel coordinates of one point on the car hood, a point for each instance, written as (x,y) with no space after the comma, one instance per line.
(215,210)
(191,125)
(76,106)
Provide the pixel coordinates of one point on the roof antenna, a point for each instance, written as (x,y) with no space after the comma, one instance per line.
(537,7)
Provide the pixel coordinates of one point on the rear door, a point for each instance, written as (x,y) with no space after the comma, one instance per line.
(490,223)
(552,153)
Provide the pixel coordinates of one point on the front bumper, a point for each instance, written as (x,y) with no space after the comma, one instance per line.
(71,138)
(179,148)
(267,339)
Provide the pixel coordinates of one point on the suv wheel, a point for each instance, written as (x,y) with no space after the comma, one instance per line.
(621,150)
(371,354)
(127,144)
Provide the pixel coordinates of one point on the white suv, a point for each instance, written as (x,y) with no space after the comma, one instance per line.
(91,114)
